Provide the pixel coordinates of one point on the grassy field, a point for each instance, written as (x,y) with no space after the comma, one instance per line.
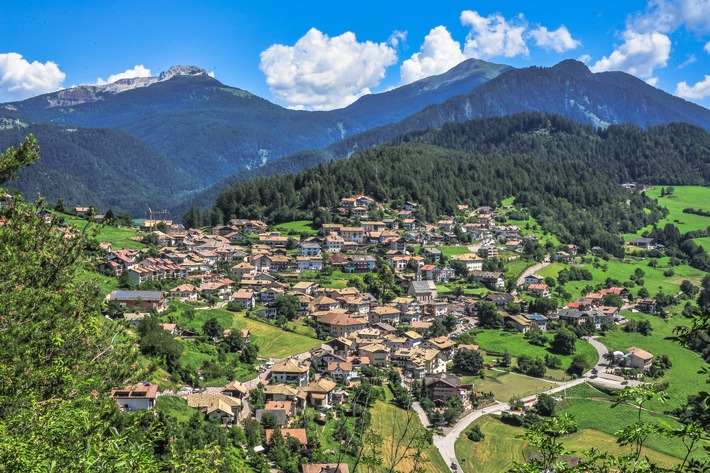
(506,385)
(654,280)
(497,452)
(516,267)
(175,407)
(599,416)
(120,238)
(298,226)
(498,341)
(682,197)
(450,251)
(273,341)
(683,377)
(106,283)
(386,419)
(704,242)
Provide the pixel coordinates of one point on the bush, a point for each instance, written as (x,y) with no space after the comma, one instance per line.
(474,434)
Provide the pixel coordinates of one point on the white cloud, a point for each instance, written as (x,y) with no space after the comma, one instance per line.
(707,48)
(559,40)
(688,61)
(585,58)
(20,79)
(639,55)
(494,35)
(666,16)
(653,81)
(323,73)
(698,91)
(438,54)
(396,38)
(138,71)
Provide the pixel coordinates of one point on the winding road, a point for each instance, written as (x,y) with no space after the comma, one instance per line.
(445,443)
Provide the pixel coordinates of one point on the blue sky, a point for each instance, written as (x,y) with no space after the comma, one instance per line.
(321,55)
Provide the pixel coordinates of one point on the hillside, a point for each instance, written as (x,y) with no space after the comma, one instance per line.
(568,89)
(100,167)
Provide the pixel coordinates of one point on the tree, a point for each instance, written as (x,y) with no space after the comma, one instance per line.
(532,366)
(470,361)
(59,356)
(545,405)
(269,421)
(506,359)
(689,288)
(613,300)
(577,366)
(212,328)
(287,306)
(488,315)
(564,341)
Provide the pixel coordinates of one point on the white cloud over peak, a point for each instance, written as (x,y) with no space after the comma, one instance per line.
(138,70)
(493,35)
(20,79)
(639,55)
(559,40)
(438,54)
(698,91)
(324,73)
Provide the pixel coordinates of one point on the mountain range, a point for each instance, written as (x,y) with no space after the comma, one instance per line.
(176,139)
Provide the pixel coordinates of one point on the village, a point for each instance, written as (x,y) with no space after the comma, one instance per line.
(390,311)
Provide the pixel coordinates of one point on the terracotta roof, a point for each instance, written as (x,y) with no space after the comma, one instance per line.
(289,366)
(136,391)
(339,319)
(298,434)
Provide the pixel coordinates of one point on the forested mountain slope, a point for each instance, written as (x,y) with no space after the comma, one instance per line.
(567,174)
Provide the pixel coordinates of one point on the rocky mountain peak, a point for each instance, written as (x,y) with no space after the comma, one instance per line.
(182,71)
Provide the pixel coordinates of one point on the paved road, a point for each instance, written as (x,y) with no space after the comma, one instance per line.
(530,271)
(445,443)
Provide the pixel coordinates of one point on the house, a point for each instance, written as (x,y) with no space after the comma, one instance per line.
(440,387)
(645,243)
(245,298)
(378,354)
(308,249)
(386,314)
(639,359)
(341,325)
(533,279)
(185,292)
(423,290)
(145,300)
(342,346)
(216,406)
(359,264)
(537,321)
(471,261)
(242,270)
(575,317)
(493,280)
(333,243)
(319,393)
(236,390)
(172,329)
(500,300)
(418,362)
(297,434)
(433,253)
(539,290)
(443,344)
(647,306)
(325,468)
(290,372)
(136,396)
(352,234)
(280,392)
